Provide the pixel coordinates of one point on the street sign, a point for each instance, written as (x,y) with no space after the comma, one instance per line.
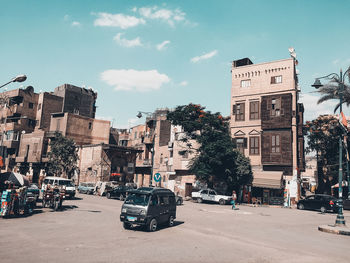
(157,177)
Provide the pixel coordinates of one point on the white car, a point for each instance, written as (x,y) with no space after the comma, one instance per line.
(210,195)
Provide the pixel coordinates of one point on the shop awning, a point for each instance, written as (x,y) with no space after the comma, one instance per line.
(267,179)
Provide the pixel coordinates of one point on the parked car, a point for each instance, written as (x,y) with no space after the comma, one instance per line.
(34,189)
(120,192)
(86,188)
(320,202)
(346,204)
(149,207)
(210,195)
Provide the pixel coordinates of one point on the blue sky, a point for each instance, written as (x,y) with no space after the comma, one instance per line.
(144,55)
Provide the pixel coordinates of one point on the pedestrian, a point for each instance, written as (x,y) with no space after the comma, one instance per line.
(234,198)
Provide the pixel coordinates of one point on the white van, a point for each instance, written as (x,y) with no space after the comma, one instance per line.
(54,180)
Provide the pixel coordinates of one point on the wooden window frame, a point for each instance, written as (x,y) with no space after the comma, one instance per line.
(255,150)
(240,111)
(274,79)
(247,81)
(276,143)
(254,115)
(276,107)
(244,144)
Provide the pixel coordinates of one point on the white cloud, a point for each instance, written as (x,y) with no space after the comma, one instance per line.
(183,83)
(126,42)
(76,23)
(205,56)
(167,15)
(162,45)
(134,80)
(118,20)
(312,109)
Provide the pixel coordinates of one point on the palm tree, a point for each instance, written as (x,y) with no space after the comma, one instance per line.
(330,91)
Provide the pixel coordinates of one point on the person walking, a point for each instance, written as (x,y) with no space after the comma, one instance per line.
(234,198)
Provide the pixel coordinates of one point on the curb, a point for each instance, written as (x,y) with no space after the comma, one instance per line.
(338,230)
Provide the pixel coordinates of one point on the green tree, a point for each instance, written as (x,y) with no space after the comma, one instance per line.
(216,158)
(63,156)
(323,138)
(330,91)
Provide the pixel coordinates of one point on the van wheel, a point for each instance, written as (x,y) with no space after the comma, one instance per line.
(179,202)
(171,221)
(199,200)
(221,201)
(126,225)
(108,195)
(323,210)
(152,226)
(301,206)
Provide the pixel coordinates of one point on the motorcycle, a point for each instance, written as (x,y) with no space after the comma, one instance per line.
(16,202)
(53,198)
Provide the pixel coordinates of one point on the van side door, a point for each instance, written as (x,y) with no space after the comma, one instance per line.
(154,207)
(164,208)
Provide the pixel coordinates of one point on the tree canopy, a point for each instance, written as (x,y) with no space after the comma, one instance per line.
(207,135)
(323,138)
(63,156)
(330,91)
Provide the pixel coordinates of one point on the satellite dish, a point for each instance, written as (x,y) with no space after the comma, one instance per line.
(291,49)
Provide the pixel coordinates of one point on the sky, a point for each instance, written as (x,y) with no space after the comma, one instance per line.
(144,55)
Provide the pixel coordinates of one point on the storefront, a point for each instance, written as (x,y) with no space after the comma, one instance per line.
(267,187)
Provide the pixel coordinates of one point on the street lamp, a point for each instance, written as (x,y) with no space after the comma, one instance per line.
(19,78)
(148,114)
(340,221)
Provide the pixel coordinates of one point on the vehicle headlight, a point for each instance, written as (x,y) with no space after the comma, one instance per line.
(123,210)
(143,212)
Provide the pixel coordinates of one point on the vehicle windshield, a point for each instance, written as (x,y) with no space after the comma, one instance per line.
(91,185)
(137,199)
(66,183)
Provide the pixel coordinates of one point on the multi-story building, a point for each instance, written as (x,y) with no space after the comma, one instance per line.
(266,123)
(17,116)
(77,100)
(159,142)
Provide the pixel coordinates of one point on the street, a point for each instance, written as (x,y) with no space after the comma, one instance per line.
(88,230)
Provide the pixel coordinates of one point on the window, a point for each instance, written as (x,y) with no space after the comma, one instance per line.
(276,79)
(31,105)
(35,148)
(254,110)
(58,121)
(276,107)
(239,111)
(205,192)
(164,200)
(241,144)
(254,145)
(275,144)
(39,106)
(212,193)
(90,125)
(245,83)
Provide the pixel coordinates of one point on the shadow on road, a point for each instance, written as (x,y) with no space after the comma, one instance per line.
(160,227)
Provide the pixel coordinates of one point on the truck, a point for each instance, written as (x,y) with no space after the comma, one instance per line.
(210,195)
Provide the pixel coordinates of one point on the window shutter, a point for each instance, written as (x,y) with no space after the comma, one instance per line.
(234,109)
(245,143)
(243,111)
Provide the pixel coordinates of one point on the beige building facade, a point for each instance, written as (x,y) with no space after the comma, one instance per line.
(266,122)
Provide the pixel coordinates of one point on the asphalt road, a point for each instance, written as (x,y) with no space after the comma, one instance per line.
(88,230)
